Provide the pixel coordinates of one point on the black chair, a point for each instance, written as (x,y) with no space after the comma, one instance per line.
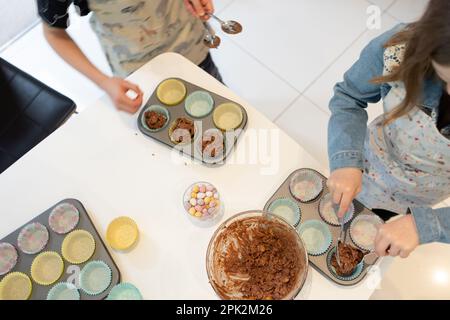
(29,112)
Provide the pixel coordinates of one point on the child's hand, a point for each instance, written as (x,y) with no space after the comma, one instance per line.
(200,8)
(117,89)
(344,185)
(397,238)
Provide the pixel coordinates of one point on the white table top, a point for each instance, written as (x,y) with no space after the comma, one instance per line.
(100,158)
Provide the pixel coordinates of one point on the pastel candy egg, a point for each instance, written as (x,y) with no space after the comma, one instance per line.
(200,195)
(193,195)
(212,204)
(202,189)
(195,189)
(208,193)
(209,188)
(200,202)
(207,200)
(205,211)
(193,202)
(192,211)
(216,195)
(198,208)
(198,214)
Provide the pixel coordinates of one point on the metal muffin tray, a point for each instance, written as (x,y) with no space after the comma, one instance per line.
(178,111)
(24,261)
(310,211)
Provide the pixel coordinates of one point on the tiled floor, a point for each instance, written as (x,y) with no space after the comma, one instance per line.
(285,63)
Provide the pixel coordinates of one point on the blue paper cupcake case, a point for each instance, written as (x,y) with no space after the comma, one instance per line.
(358,270)
(322,226)
(124,291)
(71,290)
(102,284)
(289,203)
(159,109)
(199,96)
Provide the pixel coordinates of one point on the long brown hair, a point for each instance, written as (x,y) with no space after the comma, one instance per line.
(426,40)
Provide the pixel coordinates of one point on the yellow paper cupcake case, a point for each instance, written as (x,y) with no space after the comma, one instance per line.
(15,286)
(78,246)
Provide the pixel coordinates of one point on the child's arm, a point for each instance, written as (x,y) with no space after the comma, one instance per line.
(55,15)
(348,123)
(401,236)
(116,88)
(432,224)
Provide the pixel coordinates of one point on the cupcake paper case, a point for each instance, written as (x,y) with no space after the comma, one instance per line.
(95,277)
(63,218)
(306,185)
(78,246)
(286,209)
(8,257)
(47,268)
(122,233)
(329,215)
(33,238)
(124,291)
(15,286)
(316,236)
(63,291)
(199,104)
(363,230)
(356,273)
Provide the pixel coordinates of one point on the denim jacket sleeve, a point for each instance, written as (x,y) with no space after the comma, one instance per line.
(433,225)
(348,123)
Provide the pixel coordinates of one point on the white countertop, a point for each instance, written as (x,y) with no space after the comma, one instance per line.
(100,158)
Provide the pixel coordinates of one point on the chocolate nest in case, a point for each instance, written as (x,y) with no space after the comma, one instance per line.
(258,258)
(155,120)
(181,129)
(349,256)
(212,144)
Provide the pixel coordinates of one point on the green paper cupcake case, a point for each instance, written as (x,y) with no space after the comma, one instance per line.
(358,270)
(199,104)
(63,291)
(124,291)
(297,215)
(158,109)
(315,249)
(95,277)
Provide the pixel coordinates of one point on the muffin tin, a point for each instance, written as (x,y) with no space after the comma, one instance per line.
(175,109)
(310,211)
(53,247)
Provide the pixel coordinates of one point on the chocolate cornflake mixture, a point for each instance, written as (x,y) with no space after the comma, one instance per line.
(266,256)
(186,124)
(155,120)
(214,150)
(349,256)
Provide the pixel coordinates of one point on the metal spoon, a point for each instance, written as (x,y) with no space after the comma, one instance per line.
(211,40)
(230,26)
(342,234)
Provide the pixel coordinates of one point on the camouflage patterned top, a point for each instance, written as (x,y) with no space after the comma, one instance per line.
(132,32)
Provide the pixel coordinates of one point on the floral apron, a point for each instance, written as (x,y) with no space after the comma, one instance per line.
(132,32)
(407,162)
